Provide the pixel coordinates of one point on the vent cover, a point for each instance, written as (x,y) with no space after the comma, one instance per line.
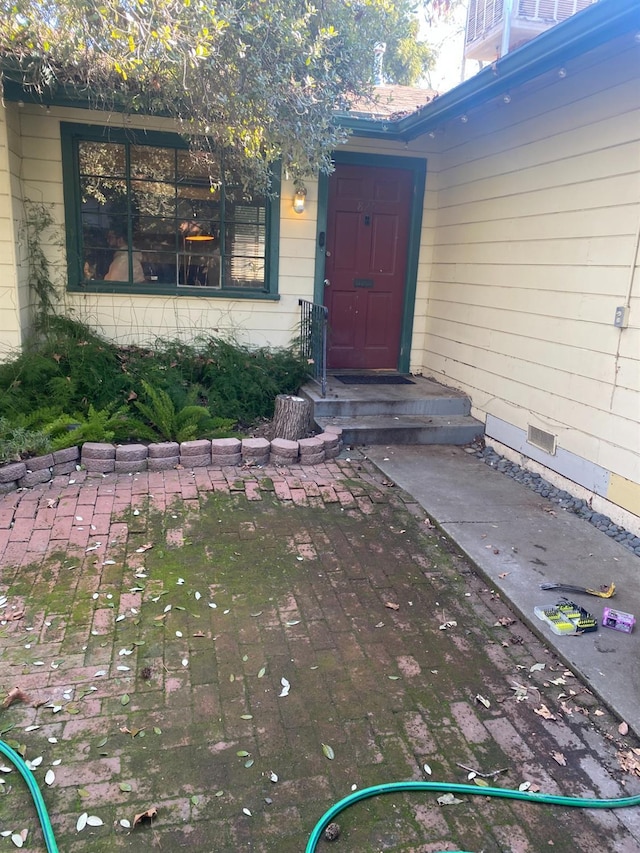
(539,438)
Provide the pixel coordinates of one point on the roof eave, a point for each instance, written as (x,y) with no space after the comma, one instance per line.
(582,32)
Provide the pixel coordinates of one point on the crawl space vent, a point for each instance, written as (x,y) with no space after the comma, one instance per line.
(543,440)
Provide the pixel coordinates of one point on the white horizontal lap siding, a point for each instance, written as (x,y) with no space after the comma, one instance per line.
(11,299)
(138,318)
(538,206)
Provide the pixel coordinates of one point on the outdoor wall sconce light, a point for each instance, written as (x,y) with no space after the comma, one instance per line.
(300,199)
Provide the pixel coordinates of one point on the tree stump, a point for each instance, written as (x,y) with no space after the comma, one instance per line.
(291,418)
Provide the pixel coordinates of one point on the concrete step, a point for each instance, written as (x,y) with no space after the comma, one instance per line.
(423,397)
(405,429)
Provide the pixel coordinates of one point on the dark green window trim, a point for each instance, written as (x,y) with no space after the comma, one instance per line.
(71,135)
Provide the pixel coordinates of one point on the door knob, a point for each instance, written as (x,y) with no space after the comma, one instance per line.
(327,282)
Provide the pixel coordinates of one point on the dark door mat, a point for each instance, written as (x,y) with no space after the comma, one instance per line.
(373,379)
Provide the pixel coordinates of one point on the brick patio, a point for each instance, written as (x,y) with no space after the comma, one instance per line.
(301,565)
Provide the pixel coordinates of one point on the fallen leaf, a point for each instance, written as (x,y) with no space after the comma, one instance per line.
(273,776)
(125,787)
(286,687)
(598,713)
(451,623)
(247,812)
(125,699)
(483,701)
(141,550)
(262,671)
(427,769)
(623,728)
(391,605)
(148,815)
(16,694)
(629,762)
(559,758)
(448,800)
(50,778)
(537,667)
(482,783)
(328,751)
(504,622)
(81,822)
(124,822)
(544,712)
(17,839)
(504,574)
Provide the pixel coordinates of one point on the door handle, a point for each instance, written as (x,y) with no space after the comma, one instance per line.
(326,282)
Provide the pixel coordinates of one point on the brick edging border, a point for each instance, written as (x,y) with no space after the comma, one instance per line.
(105,458)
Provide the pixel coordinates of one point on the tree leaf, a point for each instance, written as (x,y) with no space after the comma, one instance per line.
(149,814)
(125,787)
(448,800)
(286,687)
(328,751)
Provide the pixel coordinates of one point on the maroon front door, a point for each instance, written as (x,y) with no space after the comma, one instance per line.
(366,263)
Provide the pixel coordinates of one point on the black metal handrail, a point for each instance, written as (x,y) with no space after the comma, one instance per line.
(313,340)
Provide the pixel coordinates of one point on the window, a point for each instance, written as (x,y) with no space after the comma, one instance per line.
(146,215)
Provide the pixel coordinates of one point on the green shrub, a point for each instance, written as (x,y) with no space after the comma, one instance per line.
(71,384)
(18,442)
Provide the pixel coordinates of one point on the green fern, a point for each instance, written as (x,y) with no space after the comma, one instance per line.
(168,423)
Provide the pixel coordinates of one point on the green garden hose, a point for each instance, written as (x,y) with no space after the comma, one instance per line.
(506,793)
(41,808)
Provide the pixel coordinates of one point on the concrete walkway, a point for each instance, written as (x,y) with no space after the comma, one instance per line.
(519,540)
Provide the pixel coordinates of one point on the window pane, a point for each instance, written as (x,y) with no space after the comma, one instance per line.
(156,238)
(107,195)
(102,158)
(152,164)
(198,169)
(245,240)
(151,198)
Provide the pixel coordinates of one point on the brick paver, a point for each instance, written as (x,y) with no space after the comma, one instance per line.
(158,614)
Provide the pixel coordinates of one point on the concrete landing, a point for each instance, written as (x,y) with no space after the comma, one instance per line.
(519,540)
